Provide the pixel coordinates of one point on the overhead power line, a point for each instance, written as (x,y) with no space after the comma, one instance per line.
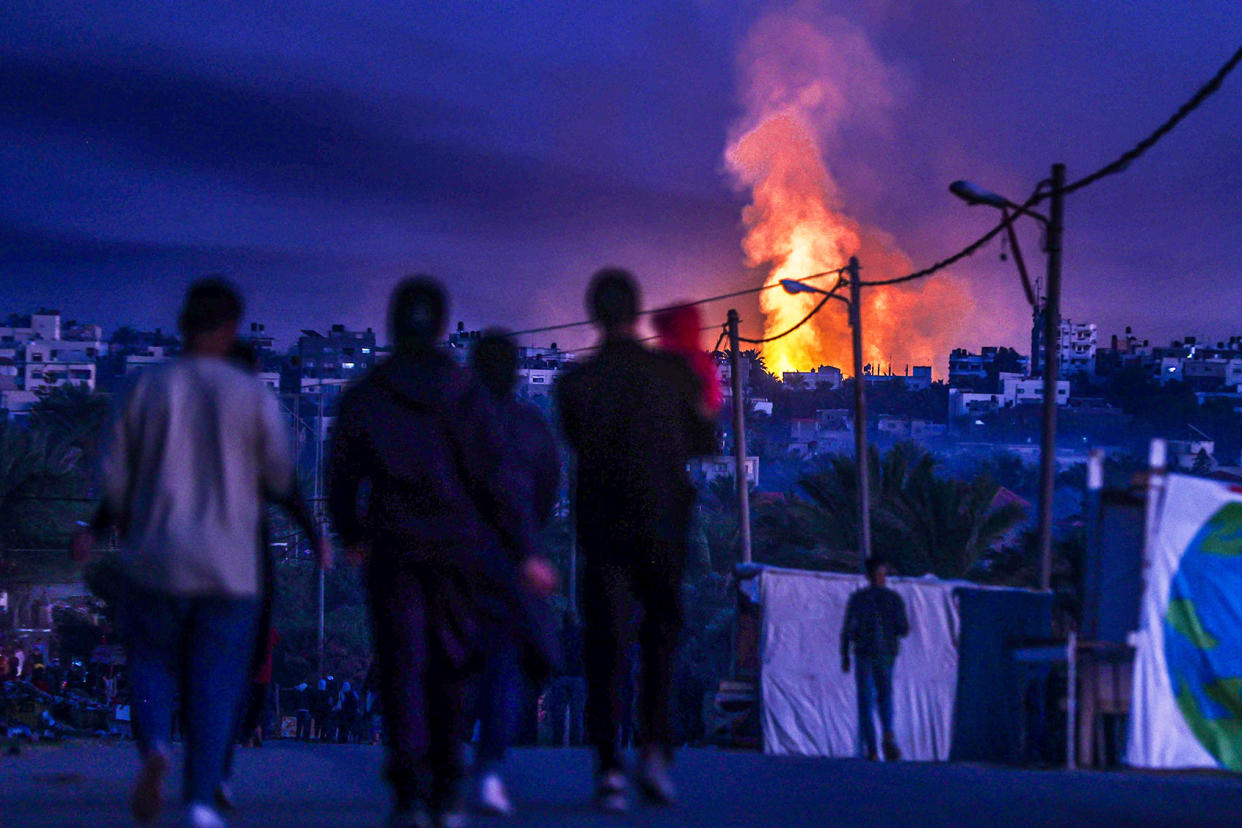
(1205,92)
(1122,161)
(691,304)
(832,294)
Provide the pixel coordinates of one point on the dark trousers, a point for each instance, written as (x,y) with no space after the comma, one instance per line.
(501,694)
(612,591)
(873,680)
(304,725)
(424,641)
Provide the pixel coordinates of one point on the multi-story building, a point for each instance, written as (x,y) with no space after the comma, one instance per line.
(43,353)
(980,372)
(258,339)
(1076,348)
(914,380)
(724,375)
(539,368)
(1192,445)
(1014,390)
(19,329)
(145,357)
(129,351)
(52,363)
(909,428)
(328,359)
(825,377)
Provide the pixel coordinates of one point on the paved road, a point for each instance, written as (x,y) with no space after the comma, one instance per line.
(285,784)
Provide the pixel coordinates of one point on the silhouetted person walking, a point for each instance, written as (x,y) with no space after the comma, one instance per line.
(634,419)
(416,487)
(875,623)
(194,445)
(532,472)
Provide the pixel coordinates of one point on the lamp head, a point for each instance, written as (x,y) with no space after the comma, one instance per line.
(794,286)
(973,194)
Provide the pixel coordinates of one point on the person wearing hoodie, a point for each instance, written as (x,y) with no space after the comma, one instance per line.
(533,471)
(416,489)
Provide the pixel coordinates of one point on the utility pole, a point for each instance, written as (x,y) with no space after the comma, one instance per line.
(862,458)
(1052,337)
(318,507)
(739,438)
(570,515)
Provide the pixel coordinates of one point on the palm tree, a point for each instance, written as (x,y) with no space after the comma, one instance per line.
(921,521)
(946,525)
(72,417)
(31,466)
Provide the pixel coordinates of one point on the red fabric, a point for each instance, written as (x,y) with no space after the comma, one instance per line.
(264,674)
(678,329)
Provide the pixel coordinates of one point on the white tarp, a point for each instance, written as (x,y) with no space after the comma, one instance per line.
(1187,704)
(808,705)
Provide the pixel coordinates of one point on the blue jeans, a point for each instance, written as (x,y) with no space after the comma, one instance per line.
(500,701)
(873,677)
(201,645)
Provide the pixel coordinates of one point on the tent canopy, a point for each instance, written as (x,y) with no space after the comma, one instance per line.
(808,703)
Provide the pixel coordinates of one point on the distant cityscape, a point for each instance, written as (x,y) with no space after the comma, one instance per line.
(989,402)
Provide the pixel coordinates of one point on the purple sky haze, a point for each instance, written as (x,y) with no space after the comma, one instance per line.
(317,153)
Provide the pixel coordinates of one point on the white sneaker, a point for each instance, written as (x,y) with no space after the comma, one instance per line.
(610,793)
(655,782)
(494,797)
(204,816)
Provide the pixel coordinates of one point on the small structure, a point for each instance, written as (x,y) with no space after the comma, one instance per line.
(954,685)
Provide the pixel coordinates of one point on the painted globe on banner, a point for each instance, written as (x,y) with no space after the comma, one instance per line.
(1203,636)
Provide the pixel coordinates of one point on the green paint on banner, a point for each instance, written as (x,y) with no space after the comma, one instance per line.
(1183,617)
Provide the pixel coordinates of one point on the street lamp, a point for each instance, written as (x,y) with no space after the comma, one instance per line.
(862,461)
(1053,224)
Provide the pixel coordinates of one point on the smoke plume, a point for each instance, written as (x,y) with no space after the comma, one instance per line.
(806,79)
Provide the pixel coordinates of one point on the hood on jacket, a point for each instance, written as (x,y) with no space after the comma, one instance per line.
(427,379)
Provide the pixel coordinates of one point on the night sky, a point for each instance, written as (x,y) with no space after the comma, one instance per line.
(318,152)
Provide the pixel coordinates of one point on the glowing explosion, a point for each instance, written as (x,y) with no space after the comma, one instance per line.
(803,77)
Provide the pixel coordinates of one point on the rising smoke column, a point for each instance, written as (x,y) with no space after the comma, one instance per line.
(803,77)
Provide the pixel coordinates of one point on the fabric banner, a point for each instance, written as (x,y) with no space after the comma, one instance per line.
(1187,704)
(809,705)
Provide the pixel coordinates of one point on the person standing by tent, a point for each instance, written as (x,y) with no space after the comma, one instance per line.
(875,623)
(634,418)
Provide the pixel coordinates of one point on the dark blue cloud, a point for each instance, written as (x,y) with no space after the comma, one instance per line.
(318,151)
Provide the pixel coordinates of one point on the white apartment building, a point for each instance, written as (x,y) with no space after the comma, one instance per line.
(149,356)
(44,354)
(1015,390)
(1076,347)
